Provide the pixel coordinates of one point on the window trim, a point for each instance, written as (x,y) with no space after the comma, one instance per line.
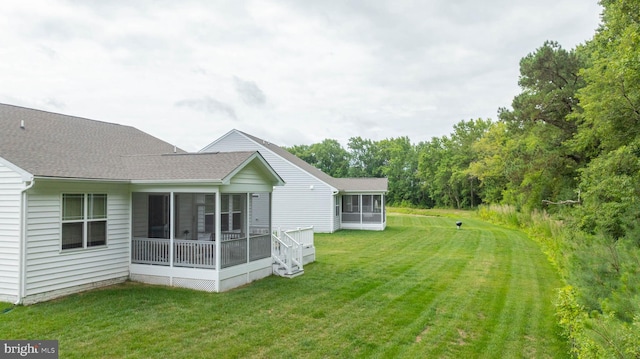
(229,221)
(87,217)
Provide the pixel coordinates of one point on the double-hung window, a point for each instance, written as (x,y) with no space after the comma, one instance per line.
(84,220)
(232,212)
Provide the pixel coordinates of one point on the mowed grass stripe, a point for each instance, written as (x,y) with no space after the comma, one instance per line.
(370,292)
(421,288)
(403,296)
(456,306)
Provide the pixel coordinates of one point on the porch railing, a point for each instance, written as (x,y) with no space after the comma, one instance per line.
(286,248)
(304,236)
(201,254)
(150,251)
(365,217)
(195,254)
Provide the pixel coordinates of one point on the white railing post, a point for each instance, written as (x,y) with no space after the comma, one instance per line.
(288,247)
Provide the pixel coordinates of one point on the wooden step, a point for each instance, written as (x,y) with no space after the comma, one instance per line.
(282,272)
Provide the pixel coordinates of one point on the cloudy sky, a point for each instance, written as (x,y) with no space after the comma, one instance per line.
(291,72)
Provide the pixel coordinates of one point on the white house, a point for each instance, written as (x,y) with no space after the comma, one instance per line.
(310,197)
(86,203)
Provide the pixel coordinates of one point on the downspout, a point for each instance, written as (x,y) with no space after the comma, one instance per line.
(22,258)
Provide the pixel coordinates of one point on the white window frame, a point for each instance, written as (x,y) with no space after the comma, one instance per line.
(87,217)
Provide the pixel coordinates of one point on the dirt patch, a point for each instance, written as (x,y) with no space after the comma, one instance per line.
(423,333)
(463,336)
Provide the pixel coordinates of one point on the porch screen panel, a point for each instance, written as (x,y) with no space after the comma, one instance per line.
(259,226)
(371,209)
(234,241)
(233,213)
(183,215)
(224,215)
(351,208)
(205,214)
(158,216)
(210,213)
(238,210)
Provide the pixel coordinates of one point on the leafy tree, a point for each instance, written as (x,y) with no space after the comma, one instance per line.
(611,98)
(549,79)
(611,193)
(331,158)
(400,166)
(465,134)
(328,156)
(432,181)
(444,166)
(493,162)
(303,152)
(365,158)
(540,166)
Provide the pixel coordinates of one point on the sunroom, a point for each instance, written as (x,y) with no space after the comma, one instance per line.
(205,235)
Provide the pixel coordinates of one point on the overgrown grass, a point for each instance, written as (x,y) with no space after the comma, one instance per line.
(420,289)
(599,307)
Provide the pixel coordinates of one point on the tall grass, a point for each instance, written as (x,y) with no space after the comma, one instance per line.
(599,307)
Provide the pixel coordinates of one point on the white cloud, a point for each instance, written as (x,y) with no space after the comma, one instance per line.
(209,105)
(189,71)
(249,92)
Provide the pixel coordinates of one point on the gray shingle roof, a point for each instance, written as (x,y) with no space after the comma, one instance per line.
(185,166)
(363,184)
(55,145)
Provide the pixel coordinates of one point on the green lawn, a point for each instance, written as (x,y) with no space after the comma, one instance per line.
(420,289)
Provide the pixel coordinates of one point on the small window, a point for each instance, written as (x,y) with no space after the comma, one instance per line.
(84,220)
(232,210)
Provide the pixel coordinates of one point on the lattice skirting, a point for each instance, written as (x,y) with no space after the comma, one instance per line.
(197,284)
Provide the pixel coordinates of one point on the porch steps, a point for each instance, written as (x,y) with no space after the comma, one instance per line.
(282,271)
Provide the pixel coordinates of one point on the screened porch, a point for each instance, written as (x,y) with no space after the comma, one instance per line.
(363,211)
(200,230)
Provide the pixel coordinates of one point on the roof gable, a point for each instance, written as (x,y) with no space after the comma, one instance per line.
(216,167)
(341,184)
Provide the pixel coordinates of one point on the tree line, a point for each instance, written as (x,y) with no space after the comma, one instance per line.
(568,145)
(571,136)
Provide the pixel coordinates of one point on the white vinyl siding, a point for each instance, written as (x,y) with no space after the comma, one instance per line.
(11,186)
(259,209)
(303,201)
(249,179)
(49,268)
